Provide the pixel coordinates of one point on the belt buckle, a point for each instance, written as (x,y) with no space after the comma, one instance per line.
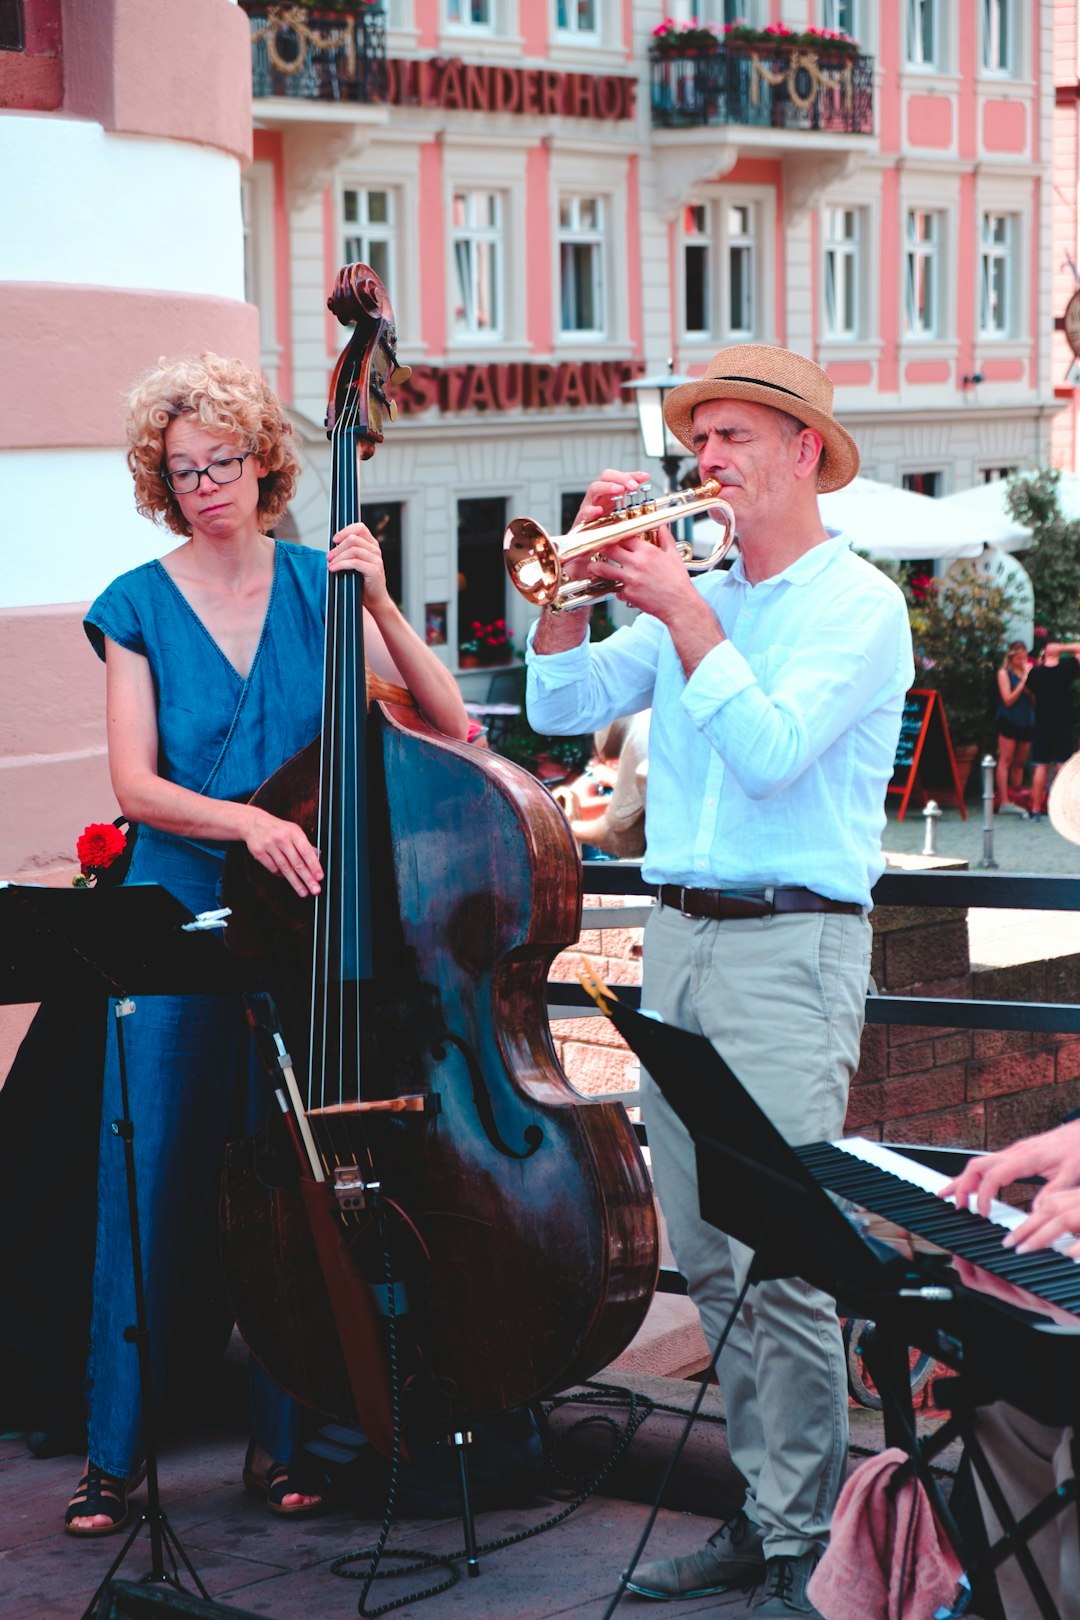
(682,903)
(770,901)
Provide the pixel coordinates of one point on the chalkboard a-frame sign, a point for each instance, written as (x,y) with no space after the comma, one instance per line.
(924,750)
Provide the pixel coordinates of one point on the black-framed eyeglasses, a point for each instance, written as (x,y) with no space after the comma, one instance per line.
(187,480)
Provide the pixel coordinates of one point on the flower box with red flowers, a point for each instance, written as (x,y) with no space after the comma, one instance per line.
(691,38)
(488,643)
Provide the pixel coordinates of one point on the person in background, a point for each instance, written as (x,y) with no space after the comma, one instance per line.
(776,692)
(1050,684)
(1015,719)
(214,661)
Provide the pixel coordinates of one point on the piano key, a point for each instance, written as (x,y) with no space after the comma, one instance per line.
(866,1174)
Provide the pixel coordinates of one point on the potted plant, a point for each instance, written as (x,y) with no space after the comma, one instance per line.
(552,759)
(958,629)
(684,39)
(671,38)
(486,644)
(357,7)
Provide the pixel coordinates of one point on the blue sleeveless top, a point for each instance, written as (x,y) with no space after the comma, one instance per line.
(219,734)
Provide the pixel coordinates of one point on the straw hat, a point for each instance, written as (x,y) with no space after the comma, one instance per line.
(1063,804)
(768,375)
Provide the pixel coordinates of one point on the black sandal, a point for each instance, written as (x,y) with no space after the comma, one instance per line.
(101,1493)
(275,1485)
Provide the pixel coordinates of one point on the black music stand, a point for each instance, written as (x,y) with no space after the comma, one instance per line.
(135,939)
(753,1186)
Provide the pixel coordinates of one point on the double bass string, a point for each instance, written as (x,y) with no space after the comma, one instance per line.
(338,918)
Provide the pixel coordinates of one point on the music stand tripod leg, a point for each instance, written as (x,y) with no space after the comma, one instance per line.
(162,1534)
(461,1439)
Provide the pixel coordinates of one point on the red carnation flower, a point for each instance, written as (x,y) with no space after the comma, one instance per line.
(100,844)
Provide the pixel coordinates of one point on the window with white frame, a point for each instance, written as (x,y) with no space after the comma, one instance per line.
(580,19)
(720,269)
(997,291)
(581,264)
(367,217)
(477,244)
(842,241)
(739,223)
(923,33)
(697,271)
(922,280)
(717,11)
(998,41)
(479,14)
(842,16)
(257,216)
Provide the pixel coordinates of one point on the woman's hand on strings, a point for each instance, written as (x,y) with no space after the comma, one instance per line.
(356,549)
(284,848)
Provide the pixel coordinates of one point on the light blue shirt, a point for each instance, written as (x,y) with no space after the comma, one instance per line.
(768,765)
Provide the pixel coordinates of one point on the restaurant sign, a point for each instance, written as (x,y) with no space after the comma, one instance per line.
(453,85)
(515,385)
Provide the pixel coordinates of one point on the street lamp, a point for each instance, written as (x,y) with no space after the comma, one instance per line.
(659,442)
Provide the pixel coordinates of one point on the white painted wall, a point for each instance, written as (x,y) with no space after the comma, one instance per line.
(91,209)
(68,526)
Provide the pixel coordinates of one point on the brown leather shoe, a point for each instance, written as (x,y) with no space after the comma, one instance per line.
(732,1556)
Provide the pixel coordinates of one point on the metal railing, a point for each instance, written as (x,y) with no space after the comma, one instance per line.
(770,89)
(947,890)
(950,890)
(320,56)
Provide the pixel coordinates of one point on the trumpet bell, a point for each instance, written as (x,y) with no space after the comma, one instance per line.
(536,561)
(532,561)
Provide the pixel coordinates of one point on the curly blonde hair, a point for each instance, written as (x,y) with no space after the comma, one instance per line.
(226,396)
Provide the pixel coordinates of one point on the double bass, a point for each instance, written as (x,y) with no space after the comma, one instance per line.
(436,1208)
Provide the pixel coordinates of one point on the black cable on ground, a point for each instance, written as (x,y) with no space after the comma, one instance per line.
(610,1395)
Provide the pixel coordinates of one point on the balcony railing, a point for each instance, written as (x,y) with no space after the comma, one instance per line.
(317,55)
(764,89)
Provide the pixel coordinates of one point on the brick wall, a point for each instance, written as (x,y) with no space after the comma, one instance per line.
(595,1058)
(962,1088)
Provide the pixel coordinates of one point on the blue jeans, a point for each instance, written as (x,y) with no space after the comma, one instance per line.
(193,1080)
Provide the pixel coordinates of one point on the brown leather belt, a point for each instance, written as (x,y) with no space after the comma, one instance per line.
(720,905)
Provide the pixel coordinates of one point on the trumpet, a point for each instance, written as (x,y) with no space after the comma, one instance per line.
(536,561)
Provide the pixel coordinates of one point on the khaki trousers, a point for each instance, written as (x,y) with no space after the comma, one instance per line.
(782,999)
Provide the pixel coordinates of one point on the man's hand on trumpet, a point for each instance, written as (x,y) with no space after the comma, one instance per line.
(651,575)
(606,491)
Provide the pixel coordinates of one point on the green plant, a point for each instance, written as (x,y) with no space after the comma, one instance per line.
(958,633)
(488,643)
(675,38)
(1053,558)
(314,5)
(528,748)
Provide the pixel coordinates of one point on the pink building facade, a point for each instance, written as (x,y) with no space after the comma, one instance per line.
(557,206)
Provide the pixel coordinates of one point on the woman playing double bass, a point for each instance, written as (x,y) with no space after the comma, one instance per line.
(214,678)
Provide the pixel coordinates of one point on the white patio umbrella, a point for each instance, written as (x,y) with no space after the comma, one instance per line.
(987,504)
(889,523)
(898,523)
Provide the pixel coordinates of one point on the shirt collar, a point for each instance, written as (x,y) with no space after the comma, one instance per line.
(805,568)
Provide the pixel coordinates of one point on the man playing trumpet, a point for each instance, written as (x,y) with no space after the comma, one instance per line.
(776,692)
